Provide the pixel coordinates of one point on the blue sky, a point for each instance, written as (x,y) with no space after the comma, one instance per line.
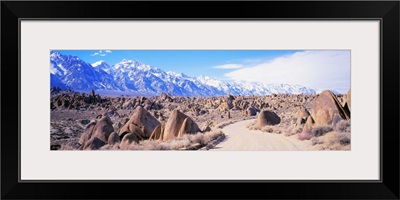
(317,69)
(189,62)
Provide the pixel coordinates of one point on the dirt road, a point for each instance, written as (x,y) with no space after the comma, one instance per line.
(239,137)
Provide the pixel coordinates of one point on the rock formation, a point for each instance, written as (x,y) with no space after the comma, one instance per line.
(267,117)
(326,106)
(179,124)
(141,123)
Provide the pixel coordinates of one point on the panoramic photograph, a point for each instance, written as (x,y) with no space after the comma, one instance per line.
(207,100)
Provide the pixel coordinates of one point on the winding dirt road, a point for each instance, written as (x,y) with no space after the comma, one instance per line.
(239,137)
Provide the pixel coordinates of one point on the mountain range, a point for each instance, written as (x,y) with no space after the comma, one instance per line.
(130,76)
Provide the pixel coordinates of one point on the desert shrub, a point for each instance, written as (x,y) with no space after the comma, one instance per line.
(223,124)
(110,147)
(197,138)
(320,130)
(71,145)
(344,138)
(252,126)
(343,126)
(268,129)
(335,141)
(315,141)
(288,132)
(304,136)
(176,144)
(184,142)
(293,131)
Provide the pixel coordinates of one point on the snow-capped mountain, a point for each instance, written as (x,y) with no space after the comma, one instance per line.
(102,65)
(76,74)
(132,76)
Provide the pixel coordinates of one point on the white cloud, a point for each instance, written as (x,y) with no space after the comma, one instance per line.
(228,66)
(100,53)
(315,69)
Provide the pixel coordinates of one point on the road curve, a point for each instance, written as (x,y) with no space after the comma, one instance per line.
(239,137)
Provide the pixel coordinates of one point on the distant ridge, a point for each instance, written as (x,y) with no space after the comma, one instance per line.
(131,76)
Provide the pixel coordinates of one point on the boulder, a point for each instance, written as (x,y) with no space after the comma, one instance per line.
(325,107)
(302,113)
(103,129)
(230,97)
(251,111)
(166,97)
(113,139)
(128,105)
(301,116)
(206,128)
(93,144)
(348,99)
(267,117)
(128,139)
(186,127)
(179,124)
(100,129)
(308,125)
(306,132)
(87,133)
(226,106)
(157,133)
(141,119)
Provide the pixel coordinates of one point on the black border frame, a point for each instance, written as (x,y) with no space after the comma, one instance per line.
(385,11)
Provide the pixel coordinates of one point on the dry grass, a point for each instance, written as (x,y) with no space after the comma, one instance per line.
(339,138)
(343,126)
(334,141)
(194,141)
(320,130)
(336,137)
(304,136)
(277,129)
(71,145)
(293,131)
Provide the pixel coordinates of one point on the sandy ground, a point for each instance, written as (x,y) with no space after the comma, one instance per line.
(239,137)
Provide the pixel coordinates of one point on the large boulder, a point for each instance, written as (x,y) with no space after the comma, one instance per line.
(87,133)
(267,117)
(348,99)
(308,125)
(302,113)
(157,133)
(301,116)
(306,132)
(93,144)
(113,139)
(100,129)
(140,119)
(103,129)
(179,124)
(326,106)
(251,111)
(128,139)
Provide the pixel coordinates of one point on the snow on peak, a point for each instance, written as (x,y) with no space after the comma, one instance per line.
(99,63)
(179,75)
(129,64)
